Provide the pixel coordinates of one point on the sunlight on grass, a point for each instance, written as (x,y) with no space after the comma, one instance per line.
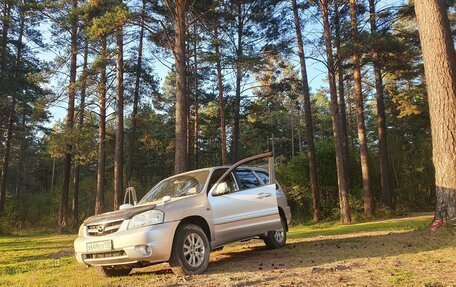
(46,259)
(334,228)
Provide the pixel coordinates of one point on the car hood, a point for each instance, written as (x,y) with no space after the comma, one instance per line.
(118,214)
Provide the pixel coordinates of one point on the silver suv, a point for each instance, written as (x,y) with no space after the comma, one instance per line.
(184,217)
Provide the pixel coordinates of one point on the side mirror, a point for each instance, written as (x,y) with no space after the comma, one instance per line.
(166,199)
(125,206)
(130,198)
(220,189)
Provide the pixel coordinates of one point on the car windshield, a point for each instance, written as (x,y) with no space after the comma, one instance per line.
(179,185)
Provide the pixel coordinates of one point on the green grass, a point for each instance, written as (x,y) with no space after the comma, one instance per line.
(334,228)
(396,258)
(400,276)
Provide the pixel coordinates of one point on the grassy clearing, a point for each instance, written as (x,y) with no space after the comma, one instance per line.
(393,252)
(416,222)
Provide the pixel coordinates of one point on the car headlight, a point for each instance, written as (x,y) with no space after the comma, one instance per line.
(82,230)
(146,218)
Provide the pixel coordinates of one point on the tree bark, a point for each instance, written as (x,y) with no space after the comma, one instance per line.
(221,101)
(345,217)
(237,97)
(77,166)
(181,159)
(6,24)
(189,147)
(292,130)
(118,148)
(308,117)
(299,128)
(360,123)
(101,168)
(21,156)
(20,184)
(196,120)
(63,211)
(341,91)
(440,71)
(134,114)
(12,112)
(381,116)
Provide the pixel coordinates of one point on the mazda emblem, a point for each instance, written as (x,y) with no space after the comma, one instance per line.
(100,228)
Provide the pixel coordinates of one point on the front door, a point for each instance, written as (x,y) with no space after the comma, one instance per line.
(248,209)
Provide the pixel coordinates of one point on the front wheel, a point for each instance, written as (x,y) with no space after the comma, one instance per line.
(190,254)
(276,238)
(114,271)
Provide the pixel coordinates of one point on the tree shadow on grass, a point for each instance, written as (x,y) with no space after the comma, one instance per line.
(252,257)
(302,253)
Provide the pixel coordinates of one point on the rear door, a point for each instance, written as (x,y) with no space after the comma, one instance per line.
(249,209)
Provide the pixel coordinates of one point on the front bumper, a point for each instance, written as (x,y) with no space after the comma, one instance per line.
(128,246)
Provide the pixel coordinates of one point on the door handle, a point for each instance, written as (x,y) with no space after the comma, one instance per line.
(263,195)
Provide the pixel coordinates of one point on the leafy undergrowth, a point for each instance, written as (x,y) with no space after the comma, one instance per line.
(389,252)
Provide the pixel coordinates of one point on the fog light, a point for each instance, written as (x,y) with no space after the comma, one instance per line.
(145,250)
(148,250)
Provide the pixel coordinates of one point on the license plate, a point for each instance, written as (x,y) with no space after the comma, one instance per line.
(99,246)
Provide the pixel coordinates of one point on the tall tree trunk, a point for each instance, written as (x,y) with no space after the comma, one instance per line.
(440,71)
(196,120)
(101,168)
(345,217)
(299,129)
(221,107)
(381,117)
(6,24)
(341,91)
(237,98)
(77,166)
(12,112)
(134,120)
(63,211)
(21,207)
(361,126)
(118,148)
(308,116)
(181,159)
(292,130)
(21,156)
(189,148)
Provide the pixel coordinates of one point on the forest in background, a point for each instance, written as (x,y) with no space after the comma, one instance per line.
(360,145)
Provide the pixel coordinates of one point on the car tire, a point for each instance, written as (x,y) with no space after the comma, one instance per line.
(277,238)
(114,271)
(191,250)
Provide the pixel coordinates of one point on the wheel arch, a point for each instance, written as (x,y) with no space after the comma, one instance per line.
(197,220)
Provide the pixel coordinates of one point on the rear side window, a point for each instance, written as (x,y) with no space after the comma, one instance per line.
(264,176)
(247,179)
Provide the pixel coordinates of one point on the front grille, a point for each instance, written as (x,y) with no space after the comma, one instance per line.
(105,255)
(103,228)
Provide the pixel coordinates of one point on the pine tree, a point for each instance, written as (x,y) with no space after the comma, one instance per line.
(361,125)
(440,70)
(381,116)
(63,211)
(308,116)
(119,141)
(136,99)
(345,216)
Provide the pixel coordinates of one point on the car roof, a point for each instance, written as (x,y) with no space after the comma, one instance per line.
(223,167)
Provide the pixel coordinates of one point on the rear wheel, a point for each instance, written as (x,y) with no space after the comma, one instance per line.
(276,238)
(190,254)
(114,271)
